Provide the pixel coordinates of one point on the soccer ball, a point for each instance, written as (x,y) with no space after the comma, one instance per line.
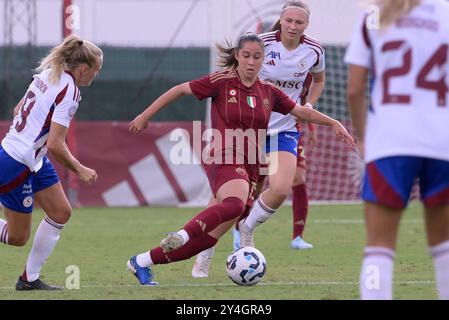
(246,266)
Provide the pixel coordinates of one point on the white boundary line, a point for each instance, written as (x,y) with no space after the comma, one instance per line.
(290,283)
(360,221)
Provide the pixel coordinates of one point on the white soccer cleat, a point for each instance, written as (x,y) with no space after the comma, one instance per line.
(171,242)
(246,236)
(299,244)
(201,266)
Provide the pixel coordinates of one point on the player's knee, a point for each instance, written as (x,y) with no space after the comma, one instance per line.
(237,206)
(63,215)
(280,192)
(17,240)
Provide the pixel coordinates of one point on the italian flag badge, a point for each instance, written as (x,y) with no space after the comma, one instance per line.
(251,101)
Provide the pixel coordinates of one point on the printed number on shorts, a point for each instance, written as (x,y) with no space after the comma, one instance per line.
(437,60)
(25,110)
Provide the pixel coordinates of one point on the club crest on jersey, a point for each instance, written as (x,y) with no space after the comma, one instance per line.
(251,101)
(232,98)
(266,103)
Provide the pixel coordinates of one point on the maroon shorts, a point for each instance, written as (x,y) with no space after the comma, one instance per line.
(219,174)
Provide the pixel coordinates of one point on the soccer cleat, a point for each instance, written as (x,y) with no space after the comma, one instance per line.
(246,237)
(171,242)
(236,241)
(143,274)
(299,244)
(201,266)
(23,285)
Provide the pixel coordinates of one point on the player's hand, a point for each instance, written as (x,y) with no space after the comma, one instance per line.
(87,175)
(138,124)
(343,134)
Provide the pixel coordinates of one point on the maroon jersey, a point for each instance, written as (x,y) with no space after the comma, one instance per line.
(239,112)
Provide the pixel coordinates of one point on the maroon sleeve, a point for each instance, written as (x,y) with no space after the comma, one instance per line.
(203,88)
(282,103)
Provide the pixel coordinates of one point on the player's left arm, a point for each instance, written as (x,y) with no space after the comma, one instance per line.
(315,91)
(317,117)
(317,87)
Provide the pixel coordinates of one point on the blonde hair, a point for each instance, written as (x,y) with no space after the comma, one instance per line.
(227,52)
(291,3)
(71,53)
(392,10)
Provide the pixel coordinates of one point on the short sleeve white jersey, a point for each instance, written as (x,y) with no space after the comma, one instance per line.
(42,104)
(409,64)
(289,71)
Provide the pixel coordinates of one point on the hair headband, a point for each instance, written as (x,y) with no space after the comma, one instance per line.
(299,8)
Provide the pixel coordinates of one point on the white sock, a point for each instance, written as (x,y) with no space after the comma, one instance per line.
(376,276)
(144,259)
(258,215)
(3,231)
(184,235)
(45,239)
(208,253)
(440,254)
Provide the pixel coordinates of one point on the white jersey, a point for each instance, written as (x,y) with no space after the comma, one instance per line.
(409,110)
(43,103)
(288,71)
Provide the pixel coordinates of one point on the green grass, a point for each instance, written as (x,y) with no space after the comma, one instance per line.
(99,241)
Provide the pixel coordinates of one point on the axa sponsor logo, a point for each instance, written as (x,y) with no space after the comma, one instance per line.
(274,55)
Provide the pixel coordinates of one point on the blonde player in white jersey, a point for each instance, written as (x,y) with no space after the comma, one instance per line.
(40,124)
(290,58)
(404,134)
(295,63)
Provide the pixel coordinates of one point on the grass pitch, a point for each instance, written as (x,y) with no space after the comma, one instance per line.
(99,241)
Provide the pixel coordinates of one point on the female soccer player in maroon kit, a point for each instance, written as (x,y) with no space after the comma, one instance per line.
(241,108)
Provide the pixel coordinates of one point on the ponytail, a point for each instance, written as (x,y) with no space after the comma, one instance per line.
(394,10)
(227,52)
(71,53)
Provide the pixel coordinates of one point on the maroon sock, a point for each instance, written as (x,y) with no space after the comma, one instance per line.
(300,205)
(190,249)
(243,215)
(210,218)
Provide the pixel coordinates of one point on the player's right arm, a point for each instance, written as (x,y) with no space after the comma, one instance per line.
(141,121)
(16,109)
(57,146)
(357,79)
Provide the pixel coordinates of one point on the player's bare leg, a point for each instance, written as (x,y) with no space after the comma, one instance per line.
(16,229)
(437,227)
(376,277)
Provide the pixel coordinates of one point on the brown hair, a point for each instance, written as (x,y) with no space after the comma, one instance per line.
(71,53)
(227,53)
(290,3)
(393,10)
